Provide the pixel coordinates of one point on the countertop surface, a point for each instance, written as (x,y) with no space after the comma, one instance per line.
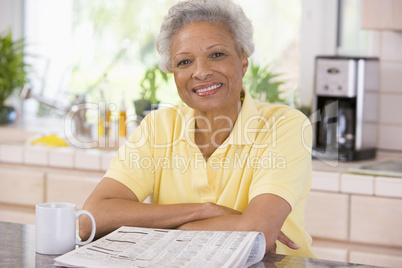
(18,250)
(337,166)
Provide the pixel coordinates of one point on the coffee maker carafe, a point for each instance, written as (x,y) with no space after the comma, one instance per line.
(345,105)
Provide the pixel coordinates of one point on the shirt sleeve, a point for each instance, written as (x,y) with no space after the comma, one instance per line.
(133,165)
(284,166)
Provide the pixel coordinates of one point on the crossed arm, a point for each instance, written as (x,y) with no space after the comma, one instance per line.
(114,205)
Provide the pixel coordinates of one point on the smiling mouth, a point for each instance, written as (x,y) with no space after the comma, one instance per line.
(208,89)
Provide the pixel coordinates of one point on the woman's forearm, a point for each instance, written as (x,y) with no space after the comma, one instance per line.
(110,214)
(113,205)
(265,213)
(232,223)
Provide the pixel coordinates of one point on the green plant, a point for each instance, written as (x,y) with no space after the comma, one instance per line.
(305,109)
(150,84)
(13,73)
(261,85)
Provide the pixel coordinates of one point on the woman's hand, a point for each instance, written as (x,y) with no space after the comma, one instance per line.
(287,241)
(284,240)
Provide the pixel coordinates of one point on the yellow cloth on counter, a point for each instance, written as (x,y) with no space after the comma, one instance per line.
(51,140)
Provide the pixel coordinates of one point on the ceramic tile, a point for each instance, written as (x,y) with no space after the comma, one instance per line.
(391,46)
(391,108)
(12,153)
(370,17)
(390,187)
(21,186)
(36,155)
(60,187)
(391,77)
(397,14)
(87,159)
(17,214)
(357,184)
(327,215)
(61,157)
(325,181)
(376,220)
(386,10)
(390,137)
(374,46)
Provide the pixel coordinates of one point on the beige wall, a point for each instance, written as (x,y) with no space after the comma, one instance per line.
(389,49)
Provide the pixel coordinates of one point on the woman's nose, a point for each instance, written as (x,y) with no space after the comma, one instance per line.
(202,70)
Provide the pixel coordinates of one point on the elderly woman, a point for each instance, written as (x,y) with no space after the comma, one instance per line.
(220,161)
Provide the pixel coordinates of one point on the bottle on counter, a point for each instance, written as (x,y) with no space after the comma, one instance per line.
(105,113)
(122,119)
(102,115)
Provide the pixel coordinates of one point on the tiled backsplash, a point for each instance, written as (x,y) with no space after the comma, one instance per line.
(69,158)
(356,184)
(390,97)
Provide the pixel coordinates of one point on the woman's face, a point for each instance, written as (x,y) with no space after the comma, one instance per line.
(207,68)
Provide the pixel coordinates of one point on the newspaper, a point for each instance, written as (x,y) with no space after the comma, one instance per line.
(145,247)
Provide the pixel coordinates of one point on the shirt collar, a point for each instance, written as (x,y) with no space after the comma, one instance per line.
(244,130)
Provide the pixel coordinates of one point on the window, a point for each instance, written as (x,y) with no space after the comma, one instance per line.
(351,39)
(77,43)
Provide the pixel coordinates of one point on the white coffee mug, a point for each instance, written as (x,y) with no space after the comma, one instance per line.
(56,228)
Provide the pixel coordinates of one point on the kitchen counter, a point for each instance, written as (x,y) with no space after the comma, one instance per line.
(336,166)
(342,207)
(18,250)
(344,177)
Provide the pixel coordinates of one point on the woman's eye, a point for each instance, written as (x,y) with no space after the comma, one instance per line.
(183,62)
(217,55)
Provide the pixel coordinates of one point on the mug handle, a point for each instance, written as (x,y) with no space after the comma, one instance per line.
(91,237)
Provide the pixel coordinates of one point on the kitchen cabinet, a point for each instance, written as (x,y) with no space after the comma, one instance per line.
(350,221)
(328,211)
(355,228)
(17,213)
(381,15)
(70,188)
(376,220)
(23,186)
(20,189)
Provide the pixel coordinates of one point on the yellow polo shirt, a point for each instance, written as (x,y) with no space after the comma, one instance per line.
(268,151)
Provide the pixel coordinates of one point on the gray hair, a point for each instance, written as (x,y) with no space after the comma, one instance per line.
(221,11)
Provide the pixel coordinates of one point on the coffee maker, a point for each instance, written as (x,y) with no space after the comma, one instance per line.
(346,109)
